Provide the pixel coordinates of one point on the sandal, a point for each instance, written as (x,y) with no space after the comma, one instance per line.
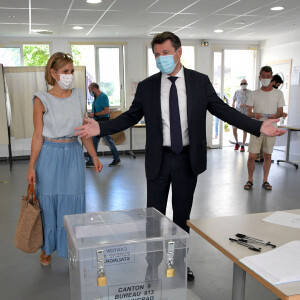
(45,259)
(248,185)
(266,185)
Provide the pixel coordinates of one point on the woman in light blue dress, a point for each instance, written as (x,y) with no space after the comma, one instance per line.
(57,163)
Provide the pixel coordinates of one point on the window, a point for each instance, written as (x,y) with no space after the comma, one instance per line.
(110,73)
(104,65)
(10,57)
(36,55)
(187,59)
(84,55)
(33,55)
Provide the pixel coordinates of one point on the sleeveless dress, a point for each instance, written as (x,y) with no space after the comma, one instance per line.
(60,168)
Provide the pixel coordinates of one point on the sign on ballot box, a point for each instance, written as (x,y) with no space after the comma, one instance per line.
(136,254)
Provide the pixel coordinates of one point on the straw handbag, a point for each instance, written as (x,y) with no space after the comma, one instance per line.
(29,233)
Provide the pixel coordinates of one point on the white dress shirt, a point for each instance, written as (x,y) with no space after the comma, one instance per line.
(165,111)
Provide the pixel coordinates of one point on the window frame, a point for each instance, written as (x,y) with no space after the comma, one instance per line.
(121,74)
(21,44)
(121,46)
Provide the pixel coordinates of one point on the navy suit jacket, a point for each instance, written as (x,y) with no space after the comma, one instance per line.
(201,97)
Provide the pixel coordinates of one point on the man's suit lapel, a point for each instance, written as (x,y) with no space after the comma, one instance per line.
(189,93)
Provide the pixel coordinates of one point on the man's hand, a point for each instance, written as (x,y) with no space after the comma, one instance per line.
(267,128)
(88,130)
(91,115)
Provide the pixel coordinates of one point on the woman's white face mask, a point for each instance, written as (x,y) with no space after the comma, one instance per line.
(65,81)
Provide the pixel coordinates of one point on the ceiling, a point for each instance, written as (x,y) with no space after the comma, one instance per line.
(250,20)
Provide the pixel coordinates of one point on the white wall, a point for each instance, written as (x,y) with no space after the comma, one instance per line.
(281,49)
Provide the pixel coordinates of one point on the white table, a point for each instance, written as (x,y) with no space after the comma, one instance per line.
(289,128)
(130,152)
(217,232)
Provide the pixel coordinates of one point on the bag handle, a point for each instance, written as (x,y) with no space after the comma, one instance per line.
(31,192)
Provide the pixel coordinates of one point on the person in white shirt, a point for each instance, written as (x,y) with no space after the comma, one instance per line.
(240,98)
(264,103)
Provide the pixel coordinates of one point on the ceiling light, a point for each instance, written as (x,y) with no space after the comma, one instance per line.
(42,31)
(277,8)
(240,23)
(218,30)
(93,1)
(153,33)
(77,27)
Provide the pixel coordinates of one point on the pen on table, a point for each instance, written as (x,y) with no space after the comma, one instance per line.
(244,238)
(249,246)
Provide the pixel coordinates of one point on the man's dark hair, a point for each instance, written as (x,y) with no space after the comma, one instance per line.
(277,79)
(266,69)
(167,35)
(94,85)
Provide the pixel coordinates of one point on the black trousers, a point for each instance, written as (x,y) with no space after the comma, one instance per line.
(175,170)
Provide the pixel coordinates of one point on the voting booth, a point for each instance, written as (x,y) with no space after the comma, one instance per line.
(134,254)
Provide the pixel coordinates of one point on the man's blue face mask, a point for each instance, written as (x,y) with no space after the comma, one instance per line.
(166,64)
(91,94)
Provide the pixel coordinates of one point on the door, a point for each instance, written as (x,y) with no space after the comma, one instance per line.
(215,125)
(230,66)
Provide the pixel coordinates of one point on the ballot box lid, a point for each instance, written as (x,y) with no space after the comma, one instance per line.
(110,228)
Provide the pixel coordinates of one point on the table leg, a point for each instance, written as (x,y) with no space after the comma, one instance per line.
(130,152)
(287,155)
(238,284)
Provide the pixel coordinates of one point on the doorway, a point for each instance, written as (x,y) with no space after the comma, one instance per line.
(230,67)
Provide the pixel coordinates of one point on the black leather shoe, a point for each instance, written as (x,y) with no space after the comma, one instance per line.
(89,164)
(190,275)
(115,162)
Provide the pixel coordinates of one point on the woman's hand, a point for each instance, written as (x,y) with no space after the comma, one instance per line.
(97,165)
(30,175)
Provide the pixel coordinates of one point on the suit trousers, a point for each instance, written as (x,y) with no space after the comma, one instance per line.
(175,171)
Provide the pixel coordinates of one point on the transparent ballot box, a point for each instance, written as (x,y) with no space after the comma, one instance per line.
(134,254)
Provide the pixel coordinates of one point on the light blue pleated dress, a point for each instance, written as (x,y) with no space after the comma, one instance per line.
(60,169)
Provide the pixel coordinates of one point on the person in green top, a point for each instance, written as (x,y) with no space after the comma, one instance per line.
(100,112)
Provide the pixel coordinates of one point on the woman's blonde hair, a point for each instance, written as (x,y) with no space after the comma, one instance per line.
(56,61)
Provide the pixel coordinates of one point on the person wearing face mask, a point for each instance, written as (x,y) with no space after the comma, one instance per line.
(174,103)
(263,104)
(57,164)
(100,112)
(276,81)
(239,102)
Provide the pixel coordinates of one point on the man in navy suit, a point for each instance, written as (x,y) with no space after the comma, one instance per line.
(195,96)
